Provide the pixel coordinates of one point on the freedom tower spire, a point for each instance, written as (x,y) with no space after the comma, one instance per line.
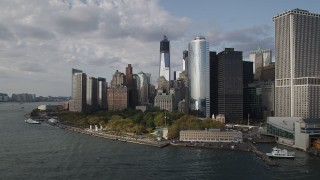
(164,69)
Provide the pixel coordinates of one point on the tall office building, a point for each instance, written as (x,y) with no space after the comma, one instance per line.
(102,93)
(247,73)
(92,93)
(79,91)
(143,86)
(230,84)
(165,58)
(213,83)
(184,60)
(132,87)
(260,58)
(297,37)
(198,75)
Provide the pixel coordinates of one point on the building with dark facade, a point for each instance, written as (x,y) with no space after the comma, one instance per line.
(265,73)
(92,93)
(132,87)
(102,93)
(252,102)
(247,73)
(4,97)
(230,85)
(213,83)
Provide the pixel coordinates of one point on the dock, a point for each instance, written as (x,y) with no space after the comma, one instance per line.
(263,156)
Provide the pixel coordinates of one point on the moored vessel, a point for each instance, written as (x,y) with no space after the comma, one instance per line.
(281,153)
(31,121)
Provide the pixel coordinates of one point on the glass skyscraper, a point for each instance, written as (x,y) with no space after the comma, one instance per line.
(164,69)
(198,75)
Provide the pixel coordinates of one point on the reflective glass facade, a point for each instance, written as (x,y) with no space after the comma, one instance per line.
(198,75)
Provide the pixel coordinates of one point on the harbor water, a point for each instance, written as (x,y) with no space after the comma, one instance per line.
(31,151)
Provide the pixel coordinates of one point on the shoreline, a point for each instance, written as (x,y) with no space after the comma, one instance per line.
(244,147)
(104,135)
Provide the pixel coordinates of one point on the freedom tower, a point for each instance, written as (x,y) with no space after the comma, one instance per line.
(164,69)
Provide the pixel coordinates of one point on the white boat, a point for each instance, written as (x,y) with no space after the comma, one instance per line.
(31,121)
(280,153)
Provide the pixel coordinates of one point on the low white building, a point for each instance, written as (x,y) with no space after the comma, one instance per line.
(161,133)
(221,119)
(211,135)
(50,107)
(297,132)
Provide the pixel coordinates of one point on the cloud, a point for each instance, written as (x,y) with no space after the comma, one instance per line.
(5,33)
(40,41)
(244,39)
(31,67)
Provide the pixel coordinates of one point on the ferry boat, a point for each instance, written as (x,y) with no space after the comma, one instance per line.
(280,153)
(31,121)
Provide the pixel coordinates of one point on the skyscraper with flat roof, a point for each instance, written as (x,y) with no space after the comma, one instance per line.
(92,93)
(198,75)
(79,91)
(297,71)
(164,69)
(102,93)
(230,84)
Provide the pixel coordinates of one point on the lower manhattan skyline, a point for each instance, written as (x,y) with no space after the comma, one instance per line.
(40,41)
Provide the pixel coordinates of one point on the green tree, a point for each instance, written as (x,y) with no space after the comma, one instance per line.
(159,120)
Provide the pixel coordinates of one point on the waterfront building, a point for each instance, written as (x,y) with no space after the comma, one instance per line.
(79,91)
(230,85)
(92,93)
(297,69)
(297,132)
(198,75)
(51,107)
(4,97)
(260,58)
(102,93)
(24,97)
(164,68)
(211,135)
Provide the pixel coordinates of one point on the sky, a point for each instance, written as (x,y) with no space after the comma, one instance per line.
(41,41)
